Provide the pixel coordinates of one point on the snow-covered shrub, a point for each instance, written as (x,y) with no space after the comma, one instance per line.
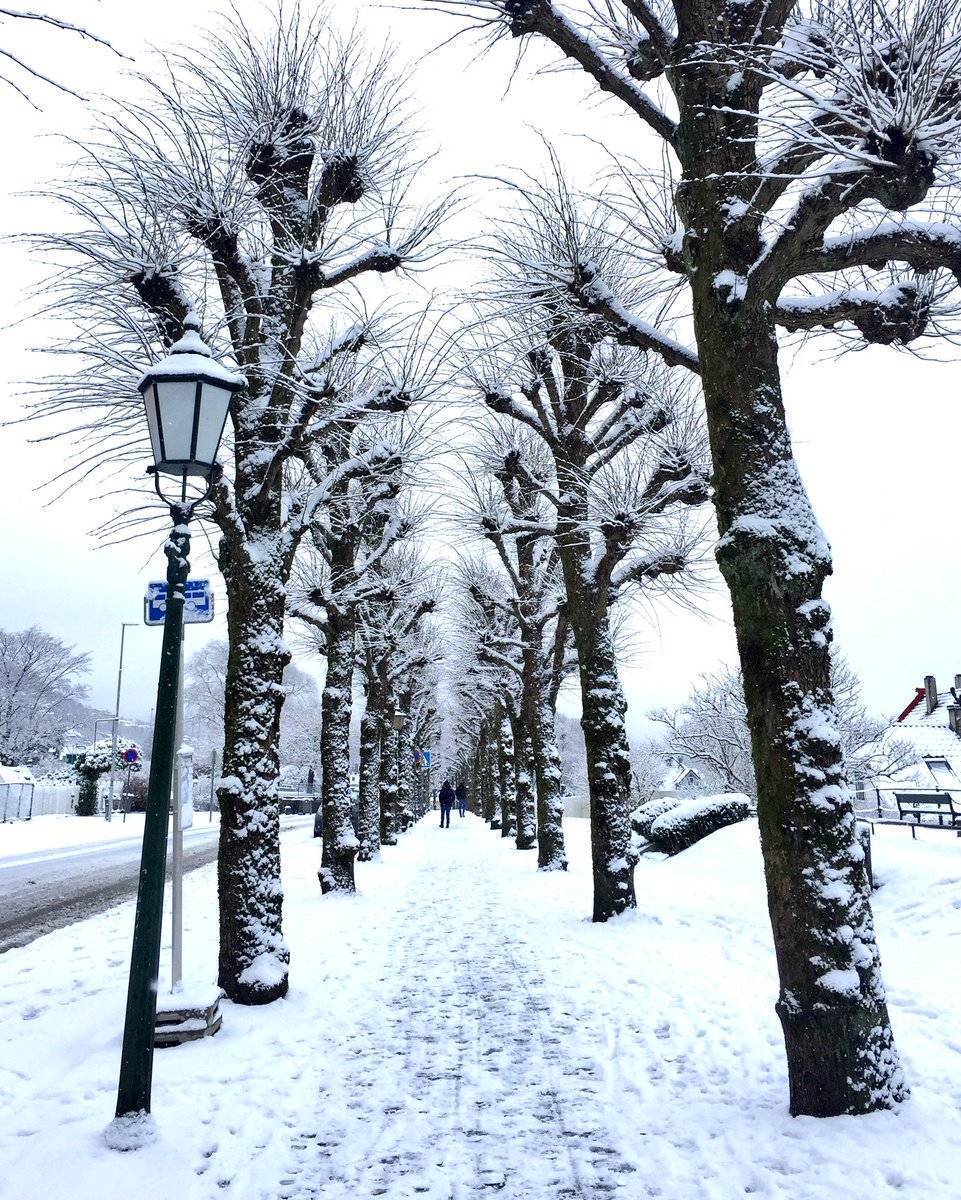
(93,762)
(691,820)
(646,814)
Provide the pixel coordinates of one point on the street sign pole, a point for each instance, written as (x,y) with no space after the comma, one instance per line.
(177,855)
(108,807)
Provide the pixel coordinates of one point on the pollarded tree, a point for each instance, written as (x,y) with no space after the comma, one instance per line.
(359,467)
(532,596)
(623,466)
(800,136)
(260,178)
(388,651)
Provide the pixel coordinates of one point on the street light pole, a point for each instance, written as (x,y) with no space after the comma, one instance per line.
(136,1057)
(108,807)
(186,398)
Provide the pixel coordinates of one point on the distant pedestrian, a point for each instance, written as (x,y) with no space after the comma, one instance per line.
(446,803)
(461,794)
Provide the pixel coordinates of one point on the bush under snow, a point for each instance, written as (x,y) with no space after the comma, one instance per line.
(687,821)
(644,816)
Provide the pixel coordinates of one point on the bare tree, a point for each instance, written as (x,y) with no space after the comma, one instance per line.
(389,651)
(711,729)
(796,137)
(360,468)
(260,179)
(38,679)
(623,466)
(530,595)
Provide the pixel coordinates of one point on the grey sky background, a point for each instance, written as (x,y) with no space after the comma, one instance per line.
(876,432)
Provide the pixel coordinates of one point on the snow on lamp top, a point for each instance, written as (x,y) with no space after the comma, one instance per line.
(187,396)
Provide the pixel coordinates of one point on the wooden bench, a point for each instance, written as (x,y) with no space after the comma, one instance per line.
(915,806)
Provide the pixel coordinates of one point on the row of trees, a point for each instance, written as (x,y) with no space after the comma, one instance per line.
(259,183)
(804,178)
(268,179)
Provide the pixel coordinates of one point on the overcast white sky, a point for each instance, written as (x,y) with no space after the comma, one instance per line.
(876,432)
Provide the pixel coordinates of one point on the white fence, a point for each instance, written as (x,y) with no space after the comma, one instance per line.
(21,801)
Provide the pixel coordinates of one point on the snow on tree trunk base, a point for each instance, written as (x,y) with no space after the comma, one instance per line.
(253,957)
(841,1060)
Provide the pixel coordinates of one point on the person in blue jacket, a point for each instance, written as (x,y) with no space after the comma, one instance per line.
(461,795)
(446,803)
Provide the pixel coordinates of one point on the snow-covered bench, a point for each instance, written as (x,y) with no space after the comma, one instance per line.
(939,806)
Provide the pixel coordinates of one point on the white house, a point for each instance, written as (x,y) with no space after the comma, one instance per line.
(931,726)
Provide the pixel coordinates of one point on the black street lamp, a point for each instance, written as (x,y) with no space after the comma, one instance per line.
(187,397)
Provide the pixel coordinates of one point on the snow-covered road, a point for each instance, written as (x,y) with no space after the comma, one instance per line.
(460,1029)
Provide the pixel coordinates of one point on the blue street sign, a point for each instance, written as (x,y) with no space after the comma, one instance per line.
(427,757)
(198,603)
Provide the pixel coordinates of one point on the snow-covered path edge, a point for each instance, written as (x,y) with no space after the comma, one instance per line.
(460,1029)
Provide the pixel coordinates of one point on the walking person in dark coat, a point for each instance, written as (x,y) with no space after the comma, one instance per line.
(461,795)
(446,803)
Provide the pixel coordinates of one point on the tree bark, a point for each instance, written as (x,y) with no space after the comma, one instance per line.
(340,842)
(369,788)
(388,782)
(508,783)
(551,855)
(608,768)
(526,817)
(253,958)
(774,558)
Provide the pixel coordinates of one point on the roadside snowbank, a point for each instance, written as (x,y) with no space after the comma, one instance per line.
(461,1029)
(65,832)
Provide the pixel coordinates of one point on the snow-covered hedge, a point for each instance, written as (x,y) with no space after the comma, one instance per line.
(690,820)
(647,813)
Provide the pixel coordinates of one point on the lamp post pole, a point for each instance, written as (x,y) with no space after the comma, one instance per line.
(108,807)
(186,402)
(136,1058)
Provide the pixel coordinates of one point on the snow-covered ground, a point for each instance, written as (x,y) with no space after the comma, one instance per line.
(68,831)
(461,1029)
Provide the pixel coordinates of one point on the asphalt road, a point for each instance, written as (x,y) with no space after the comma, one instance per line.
(48,889)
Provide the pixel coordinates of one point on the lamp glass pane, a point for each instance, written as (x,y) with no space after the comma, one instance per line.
(150,405)
(213,413)
(176,407)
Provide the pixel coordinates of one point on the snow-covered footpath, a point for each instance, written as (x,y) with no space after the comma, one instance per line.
(460,1029)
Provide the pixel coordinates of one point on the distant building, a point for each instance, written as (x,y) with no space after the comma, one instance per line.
(931,726)
(680,779)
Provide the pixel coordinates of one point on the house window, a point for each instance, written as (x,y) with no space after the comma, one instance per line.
(940,768)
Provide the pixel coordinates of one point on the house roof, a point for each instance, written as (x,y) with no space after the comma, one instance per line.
(929,733)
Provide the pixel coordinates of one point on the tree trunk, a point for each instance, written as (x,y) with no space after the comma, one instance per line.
(550,805)
(608,767)
(369,790)
(388,782)
(340,842)
(508,781)
(405,784)
(774,558)
(493,768)
(526,818)
(253,957)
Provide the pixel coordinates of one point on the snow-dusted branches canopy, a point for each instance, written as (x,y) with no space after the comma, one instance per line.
(811,180)
(393,654)
(362,468)
(20,69)
(611,471)
(39,675)
(261,181)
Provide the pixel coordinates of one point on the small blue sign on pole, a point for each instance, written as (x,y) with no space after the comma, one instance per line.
(198,603)
(427,758)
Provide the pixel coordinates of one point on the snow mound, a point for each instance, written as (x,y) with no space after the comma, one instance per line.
(691,820)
